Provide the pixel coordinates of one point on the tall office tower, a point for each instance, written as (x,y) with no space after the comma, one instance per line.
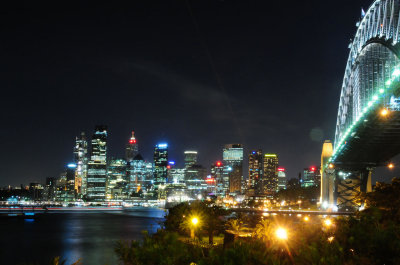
(140,175)
(281,179)
(97,166)
(71,173)
(311,177)
(233,161)
(81,160)
(195,179)
(270,173)
(49,189)
(176,175)
(254,184)
(217,174)
(160,163)
(132,148)
(190,158)
(116,179)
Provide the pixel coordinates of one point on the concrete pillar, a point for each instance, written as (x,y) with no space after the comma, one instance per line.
(327,150)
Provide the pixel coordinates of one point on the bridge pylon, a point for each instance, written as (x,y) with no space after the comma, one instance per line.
(342,183)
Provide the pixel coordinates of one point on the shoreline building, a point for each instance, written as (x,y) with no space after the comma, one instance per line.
(116,179)
(140,175)
(97,166)
(160,163)
(81,161)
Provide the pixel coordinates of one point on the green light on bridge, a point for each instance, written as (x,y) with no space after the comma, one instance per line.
(375,99)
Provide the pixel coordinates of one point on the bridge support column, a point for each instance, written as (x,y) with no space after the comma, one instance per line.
(350,184)
(327,175)
(328,187)
(365,177)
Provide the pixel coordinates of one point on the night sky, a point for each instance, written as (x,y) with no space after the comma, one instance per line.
(196,74)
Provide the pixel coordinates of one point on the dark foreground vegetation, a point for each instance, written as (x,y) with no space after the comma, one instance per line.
(370,237)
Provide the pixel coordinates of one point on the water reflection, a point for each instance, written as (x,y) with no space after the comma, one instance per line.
(89,236)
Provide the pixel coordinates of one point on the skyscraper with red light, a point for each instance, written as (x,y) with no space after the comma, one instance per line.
(311,177)
(132,148)
(281,179)
(217,174)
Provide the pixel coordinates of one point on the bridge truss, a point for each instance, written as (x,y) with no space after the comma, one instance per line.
(364,138)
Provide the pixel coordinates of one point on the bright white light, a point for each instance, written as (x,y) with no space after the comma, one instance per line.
(396,72)
(281,233)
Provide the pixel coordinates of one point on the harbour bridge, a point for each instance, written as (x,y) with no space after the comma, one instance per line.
(368,122)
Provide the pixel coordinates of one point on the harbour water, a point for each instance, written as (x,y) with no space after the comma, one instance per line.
(89,236)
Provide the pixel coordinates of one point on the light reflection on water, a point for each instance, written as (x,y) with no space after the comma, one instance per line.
(89,236)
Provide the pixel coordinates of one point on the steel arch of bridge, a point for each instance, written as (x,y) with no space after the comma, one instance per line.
(373,60)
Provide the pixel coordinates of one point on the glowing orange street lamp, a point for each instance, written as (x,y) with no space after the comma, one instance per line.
(391,166)
(194,221)
(384,112)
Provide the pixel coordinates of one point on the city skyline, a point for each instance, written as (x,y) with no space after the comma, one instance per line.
(240,93)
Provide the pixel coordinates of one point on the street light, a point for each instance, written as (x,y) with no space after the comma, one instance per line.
(306,219)
(281,233)
(194,221)
(328,222)
(384,112)
(391,166)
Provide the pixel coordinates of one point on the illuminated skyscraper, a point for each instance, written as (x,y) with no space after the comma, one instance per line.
(270,173)
(190,158)
(233,167)
(255,173)
(70,188)
(311,177)
(81,160)
(140,175)
(281,179)
(116,179)
(217,174)
(160,163)
(97,166)
(132,148)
